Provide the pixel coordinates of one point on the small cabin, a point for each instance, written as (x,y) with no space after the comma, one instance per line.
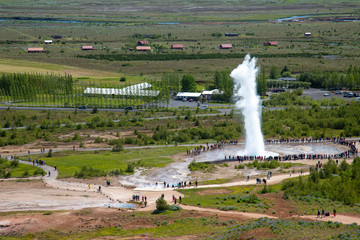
(86,48)
(271,43)
(231,34)
(177,46)
(48,41)
(226,46)
(32,50)
(143,48)
(143,42)
(307,34)
(56,36)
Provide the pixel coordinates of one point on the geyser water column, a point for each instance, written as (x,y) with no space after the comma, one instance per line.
(248,101)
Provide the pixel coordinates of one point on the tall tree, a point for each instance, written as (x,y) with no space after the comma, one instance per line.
(274,73)
(188,83)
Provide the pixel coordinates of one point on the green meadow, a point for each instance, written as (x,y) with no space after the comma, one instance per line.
(70,162)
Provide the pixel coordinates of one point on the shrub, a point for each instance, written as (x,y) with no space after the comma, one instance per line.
(254,199)
(117,148)
(130,168)
(175,208)
(26,173)
(50,153)
(95,110)
(14,164)
(228,208)
(87,172)
(161,204)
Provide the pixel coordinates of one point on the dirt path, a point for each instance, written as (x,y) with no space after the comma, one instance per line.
(339,218)
(212,210)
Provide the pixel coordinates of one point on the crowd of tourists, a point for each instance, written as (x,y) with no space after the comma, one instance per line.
(209,147)
(299,156)
(182,184)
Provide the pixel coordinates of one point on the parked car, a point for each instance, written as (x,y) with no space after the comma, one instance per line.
(191,100)
(128,108)
(357,99)
(339,92)
(326,94)
(82,107)
(348,94)
(204,107)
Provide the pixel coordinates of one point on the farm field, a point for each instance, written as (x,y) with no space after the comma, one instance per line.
(134,163)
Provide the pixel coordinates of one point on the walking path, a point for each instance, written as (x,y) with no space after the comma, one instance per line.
(122,194)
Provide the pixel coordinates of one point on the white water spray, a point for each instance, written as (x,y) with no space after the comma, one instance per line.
(249,103)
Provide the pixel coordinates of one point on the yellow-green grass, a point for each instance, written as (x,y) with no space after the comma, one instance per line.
(215,181)
(79,74)
(227,197)
(21,170)
(69,162)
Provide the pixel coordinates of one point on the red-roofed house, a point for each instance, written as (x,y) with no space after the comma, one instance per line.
(226,46)
(142,42)
(270,43)
(39,49)
(143,48)
(87,48)
(177,46)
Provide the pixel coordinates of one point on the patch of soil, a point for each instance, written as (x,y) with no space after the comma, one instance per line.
(282,207)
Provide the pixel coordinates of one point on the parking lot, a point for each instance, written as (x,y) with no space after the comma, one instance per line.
(318,94)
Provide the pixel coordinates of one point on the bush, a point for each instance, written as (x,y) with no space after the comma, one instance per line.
(228,208)
(87,172)
(14,164)
(95,110)
(117,148)
(130,168)
(161,204)
(175,208)
(26,173)
(50,153)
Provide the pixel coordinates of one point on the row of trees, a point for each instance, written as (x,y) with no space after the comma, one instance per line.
(28,86)
(334,80)
(33,89)
(184,56)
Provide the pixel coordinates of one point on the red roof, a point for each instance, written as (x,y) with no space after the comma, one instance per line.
(177,46)
(87,47)
(144,48)
(271,43)
(143,42)
(226,46)
(40,49)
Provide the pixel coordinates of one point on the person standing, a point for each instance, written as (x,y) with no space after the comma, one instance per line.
(334,211)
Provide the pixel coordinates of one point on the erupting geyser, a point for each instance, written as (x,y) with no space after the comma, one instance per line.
(248,101)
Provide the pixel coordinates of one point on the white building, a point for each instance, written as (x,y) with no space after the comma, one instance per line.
(134,90)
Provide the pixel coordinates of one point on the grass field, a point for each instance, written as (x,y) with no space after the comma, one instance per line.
(18,170)
(70,162)
(231,198)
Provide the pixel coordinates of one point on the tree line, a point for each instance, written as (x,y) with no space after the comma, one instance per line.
(336,182)
(184,56)
(28,86)
(333,80)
